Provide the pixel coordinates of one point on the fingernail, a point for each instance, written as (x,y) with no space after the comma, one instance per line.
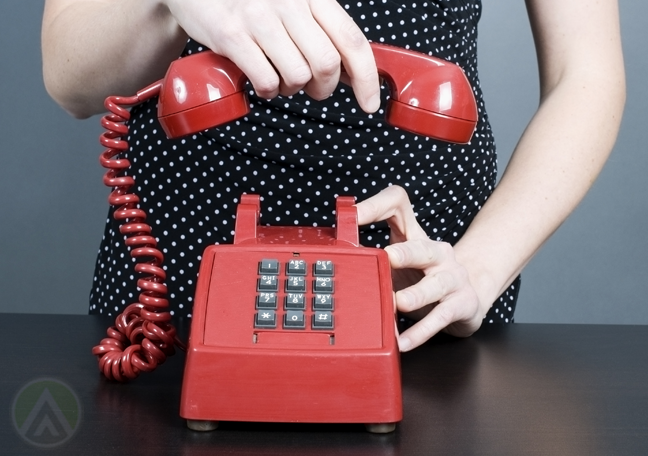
(404,344)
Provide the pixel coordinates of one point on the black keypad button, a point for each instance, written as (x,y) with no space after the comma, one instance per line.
(322,320)
(269,266)
(323,285)
(266,301)
(296,267)
(294,319)
(265,319)
(295,284)
(295,301)
(323,268)
(267,283)
(322,302)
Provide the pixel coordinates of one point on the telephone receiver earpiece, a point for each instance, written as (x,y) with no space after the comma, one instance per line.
(428,96)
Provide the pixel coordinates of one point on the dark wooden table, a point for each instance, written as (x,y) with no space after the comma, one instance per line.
(517,389)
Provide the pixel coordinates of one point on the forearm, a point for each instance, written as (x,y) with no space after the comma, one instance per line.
(92,49)
(556,161)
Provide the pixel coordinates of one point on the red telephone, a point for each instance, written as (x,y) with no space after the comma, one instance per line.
(290,324)
(293,324)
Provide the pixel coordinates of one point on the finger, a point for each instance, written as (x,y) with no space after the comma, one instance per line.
(279,47)
(419,253)
(429,290)
(435,321)
(246,54)
(393,205)
(355,51)
(319,52)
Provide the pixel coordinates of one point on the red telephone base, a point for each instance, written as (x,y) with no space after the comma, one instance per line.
(337,365)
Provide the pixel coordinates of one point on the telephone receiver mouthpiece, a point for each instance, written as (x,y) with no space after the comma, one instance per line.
(428,96)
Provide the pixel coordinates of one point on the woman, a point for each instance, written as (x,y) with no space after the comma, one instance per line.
(457,249)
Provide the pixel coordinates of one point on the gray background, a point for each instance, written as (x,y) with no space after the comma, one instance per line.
(54,204)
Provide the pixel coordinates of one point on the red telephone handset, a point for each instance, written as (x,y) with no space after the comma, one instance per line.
(430,97)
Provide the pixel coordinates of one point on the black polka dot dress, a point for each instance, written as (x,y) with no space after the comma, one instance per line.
(299,154)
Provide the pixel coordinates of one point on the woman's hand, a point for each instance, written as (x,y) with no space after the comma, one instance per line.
(431,286)
(284,46)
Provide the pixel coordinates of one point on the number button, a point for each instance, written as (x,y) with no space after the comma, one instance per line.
(322,302)
(323,285)
(267,283)
(269,266)
(296,267)
(323,268)
(295,301)
(266,301)
(294,319)
(296,283)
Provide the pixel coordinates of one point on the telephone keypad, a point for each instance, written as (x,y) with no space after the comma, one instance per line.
(299,288)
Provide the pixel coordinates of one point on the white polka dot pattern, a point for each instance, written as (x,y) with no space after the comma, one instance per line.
(299,154)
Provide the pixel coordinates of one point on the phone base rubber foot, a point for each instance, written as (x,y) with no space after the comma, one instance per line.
(202,425)
(380,428)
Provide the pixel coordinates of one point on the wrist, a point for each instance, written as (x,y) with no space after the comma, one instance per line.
(481,277)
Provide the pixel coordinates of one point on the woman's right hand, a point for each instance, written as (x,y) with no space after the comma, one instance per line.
(284,46)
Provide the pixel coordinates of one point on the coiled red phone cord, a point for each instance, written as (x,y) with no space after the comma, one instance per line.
(143,335)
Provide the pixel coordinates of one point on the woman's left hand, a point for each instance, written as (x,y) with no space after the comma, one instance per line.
(429,284)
